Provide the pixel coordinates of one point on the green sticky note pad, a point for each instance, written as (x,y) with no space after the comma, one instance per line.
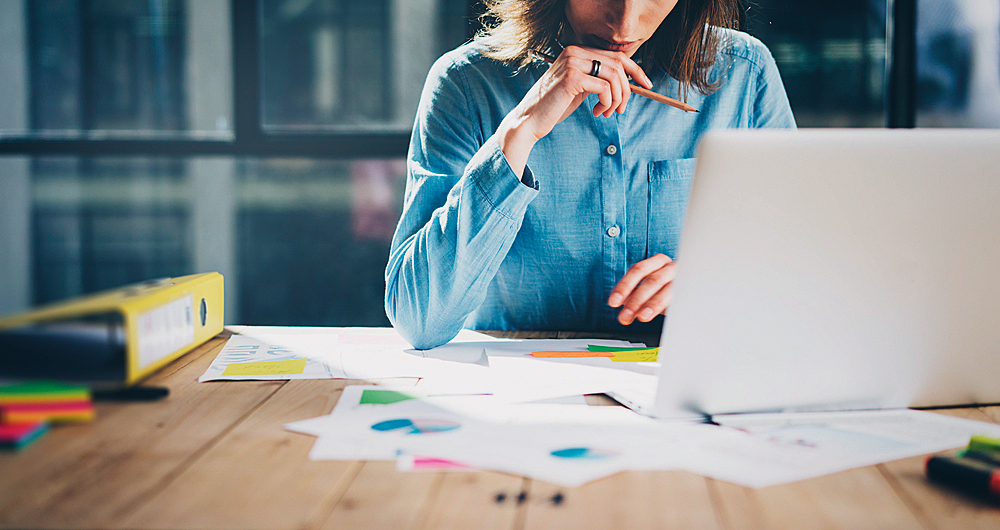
(289,367)
(383,397)
(595,347)
(984,444)
(38,391)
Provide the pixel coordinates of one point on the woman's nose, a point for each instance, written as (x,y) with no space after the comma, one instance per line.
(622,17)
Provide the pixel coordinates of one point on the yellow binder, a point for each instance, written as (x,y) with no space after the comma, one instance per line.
(114,337)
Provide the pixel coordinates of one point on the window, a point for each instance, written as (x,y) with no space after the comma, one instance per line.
(958,63)
(265,139)
(831,55)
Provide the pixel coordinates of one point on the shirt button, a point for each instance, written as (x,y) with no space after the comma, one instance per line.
(611,150)
(614,231)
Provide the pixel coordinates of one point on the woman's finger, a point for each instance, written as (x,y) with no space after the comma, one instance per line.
(656,304)
(648,299)
(634,275)
(629,68)
(610,70)
(602,84)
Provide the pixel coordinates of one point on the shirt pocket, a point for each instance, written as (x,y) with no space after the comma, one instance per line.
(669,190)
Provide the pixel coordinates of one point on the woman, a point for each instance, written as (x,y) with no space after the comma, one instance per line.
(548,197)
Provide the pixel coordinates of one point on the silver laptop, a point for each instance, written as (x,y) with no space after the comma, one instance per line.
(837,269)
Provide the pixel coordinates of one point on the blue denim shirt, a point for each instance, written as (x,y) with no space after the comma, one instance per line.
(477,248)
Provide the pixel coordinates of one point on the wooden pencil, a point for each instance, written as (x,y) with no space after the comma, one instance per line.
(638,90)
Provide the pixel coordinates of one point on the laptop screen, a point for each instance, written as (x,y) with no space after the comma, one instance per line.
(836,269)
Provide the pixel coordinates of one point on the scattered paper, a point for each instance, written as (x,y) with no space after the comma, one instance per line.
(471,363)
(313,346)
(794,446)
(574,444)
(563,444)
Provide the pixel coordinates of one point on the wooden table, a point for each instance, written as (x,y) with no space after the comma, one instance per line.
(214,455)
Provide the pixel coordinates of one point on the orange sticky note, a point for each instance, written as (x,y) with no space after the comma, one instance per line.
(570,354)
(57,412)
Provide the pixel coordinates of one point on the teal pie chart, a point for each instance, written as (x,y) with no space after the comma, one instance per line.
(415,426)
(583,453)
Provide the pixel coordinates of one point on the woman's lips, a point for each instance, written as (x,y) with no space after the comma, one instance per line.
(614,46)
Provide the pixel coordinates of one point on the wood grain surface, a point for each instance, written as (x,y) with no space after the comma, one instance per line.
(215,456)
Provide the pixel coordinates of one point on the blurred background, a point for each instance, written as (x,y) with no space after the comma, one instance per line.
(265,139)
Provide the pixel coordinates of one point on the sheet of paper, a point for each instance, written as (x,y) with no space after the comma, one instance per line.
(363,427)
(503,368)
(523,378)
(368,353)
(260,349)
(457,350)
(781,448)
(471,363)
(563,444)
(574,444)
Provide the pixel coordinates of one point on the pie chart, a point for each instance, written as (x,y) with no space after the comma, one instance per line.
(415,426)
(584,453)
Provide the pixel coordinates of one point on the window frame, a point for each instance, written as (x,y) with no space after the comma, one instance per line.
(249,137)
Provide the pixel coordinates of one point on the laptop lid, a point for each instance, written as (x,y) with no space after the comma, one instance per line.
(837,269)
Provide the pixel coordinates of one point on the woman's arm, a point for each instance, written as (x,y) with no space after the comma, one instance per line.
(465,200)
(462,210)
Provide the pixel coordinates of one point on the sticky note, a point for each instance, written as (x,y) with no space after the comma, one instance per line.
(569,354)
(292,366)
(18,435)
(56,412)
(984,444)
(38,391)
(637,356)
(594,347)
(383,397)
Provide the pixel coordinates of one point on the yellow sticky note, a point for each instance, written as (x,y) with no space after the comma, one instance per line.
(636,356)
(293,366)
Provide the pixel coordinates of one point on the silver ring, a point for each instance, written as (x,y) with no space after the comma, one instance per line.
(596,69)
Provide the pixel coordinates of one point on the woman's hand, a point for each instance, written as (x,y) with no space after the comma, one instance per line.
(560,91)
(644,291)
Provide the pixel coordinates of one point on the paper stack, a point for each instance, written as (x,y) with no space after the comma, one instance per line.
(564,444)
(574,444)
(484,403)
(473,363)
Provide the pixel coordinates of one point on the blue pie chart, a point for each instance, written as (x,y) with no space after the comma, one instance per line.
(583,453)
(415,426)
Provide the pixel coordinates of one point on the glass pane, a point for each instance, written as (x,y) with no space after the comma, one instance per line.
(958,63)
(346,64)
(119,68)
(831,56)
(299,241)
(314,239)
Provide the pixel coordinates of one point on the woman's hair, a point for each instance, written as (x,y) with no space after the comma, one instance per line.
(685,45)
